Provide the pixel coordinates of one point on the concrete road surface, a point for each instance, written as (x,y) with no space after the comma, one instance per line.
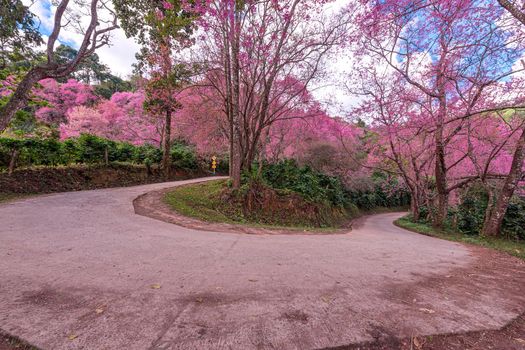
(81,270)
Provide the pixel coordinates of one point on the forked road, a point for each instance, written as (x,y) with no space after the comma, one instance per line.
(77,269)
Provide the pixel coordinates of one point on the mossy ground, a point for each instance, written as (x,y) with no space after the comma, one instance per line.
(516,248)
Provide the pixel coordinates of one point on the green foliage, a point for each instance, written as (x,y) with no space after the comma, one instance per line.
(514,220)
(147,154)
(210,201)
(468,216)
(384,192)
(183,156)
(516,248)
(471,211)
(318,187)
(91,70)
(92,149)
(89,149)
(312,185)
(18,30)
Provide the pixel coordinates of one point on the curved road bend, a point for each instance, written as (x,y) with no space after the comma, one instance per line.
(63,256)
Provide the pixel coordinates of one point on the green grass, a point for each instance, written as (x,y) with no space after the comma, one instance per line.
(516,248)
(10,197)
(203,201)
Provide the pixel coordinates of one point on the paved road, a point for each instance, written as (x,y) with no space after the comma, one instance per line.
(64,256)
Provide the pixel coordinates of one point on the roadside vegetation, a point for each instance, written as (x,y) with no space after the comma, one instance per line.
(284,194)
(87,149)
(513,247)
(9,197)
(42,165)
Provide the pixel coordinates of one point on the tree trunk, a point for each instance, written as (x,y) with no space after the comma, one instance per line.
(262,152)
(494,218)
(414,207)
(19,98)
(106,156)
(12,162)
(236,150)
(166,157)
(513,10)
(440,170)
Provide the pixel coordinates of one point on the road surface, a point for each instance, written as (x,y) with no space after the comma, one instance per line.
(81,270)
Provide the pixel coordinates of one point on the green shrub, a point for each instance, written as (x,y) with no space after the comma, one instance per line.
(514,220)
(183,156)
(471,211)
(470,214)
(319,187)
(91,148)
(88,149)
(312,185)
(383,192)
(147,154)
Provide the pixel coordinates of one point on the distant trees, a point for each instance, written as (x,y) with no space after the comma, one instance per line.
(95,35)
(18,31)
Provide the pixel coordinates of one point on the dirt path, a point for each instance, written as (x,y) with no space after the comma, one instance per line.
(80,270)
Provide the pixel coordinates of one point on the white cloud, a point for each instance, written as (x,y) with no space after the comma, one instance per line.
(120,55)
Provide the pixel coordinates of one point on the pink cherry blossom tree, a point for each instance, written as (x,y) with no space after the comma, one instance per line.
(453,57)
(260,57)
(60,98)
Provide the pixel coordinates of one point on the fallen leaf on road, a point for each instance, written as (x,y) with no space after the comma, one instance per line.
(199,300)
(252,280)
(326,299)
(417,343)
(155,286)
(519,340)
(99,310)
(72,337)
(428,311)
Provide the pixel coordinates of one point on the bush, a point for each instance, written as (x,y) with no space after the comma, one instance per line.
(514,220)
(147,154)
(183,156)
(312,185)
(381,191)
(470,214)
(89,149)
(92,149)
(322,188)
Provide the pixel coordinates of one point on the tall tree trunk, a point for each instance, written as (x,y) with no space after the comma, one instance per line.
(166,146)
(19,98)
(262,149)
(494,218)
(414,206)
(440,170)
(236,149)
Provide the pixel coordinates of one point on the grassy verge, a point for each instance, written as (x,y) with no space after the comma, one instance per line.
(10,197)
(511,247)
(203,201)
